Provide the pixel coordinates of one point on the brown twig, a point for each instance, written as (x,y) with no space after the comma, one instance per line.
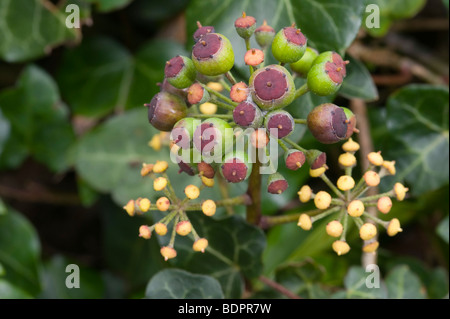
(253,214)
(280,288)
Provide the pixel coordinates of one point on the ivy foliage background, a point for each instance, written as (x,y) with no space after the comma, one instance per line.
(73,133)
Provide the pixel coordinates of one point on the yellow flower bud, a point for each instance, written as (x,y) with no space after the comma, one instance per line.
(345,183)
(304,221)
(130,208)
(144,232)
(146,169)
(208,108)
(371,247)
(163,204)
(159,183)
(334,228)
(355,208)
(400,191)
(317,172)
(340,247)
(375,158)
(183,228)
(209,207)
(394,227)
(160,166)
(347,160)
(304,194)
(350,146)
(144,204)
(168,252)
(322,200)
(192,191)
(155,142)
(160,229)
(208,182)
(390,167)
(200,245)
(216,86)
(372,178)
(367,231)
(384,204)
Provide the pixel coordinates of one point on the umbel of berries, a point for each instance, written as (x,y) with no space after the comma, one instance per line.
(165,109)
(180,72)
(289,45)
(327,73)
(328,123)
(213,54)
(272,87)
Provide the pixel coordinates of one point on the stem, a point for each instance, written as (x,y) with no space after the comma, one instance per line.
(325,214)
(223,188)
(169,187)
(238,200)
(225,85)
(247,46)
(377,196)
(284,147)
(223,105)
(281,289)
(300,121)
(301,90)
(270,221)
(295,145)
(253,213)
(174,232)
(230,78)
(345,226)
(331,185)
(219,95)
(207,116)
(376,219)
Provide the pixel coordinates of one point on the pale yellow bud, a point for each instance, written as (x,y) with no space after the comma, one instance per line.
(208,108)
(192,191)
(304,194)
(394,227)
(200,245)
(155,142)
(334,228)
(304,221)
(355,208)
(345,183)
(209,207)
(367,231)
(400,191)
(159,183)
(168,252)
(160,166)
(347,160)
(340,247)
(375,158)
(350,146)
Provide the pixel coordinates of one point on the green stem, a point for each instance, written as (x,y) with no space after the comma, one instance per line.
(253,213)
(230,78)
(376,219)
(331,185)
(345,226)
(301,90)
(300,121)
(375,197)
(284,147)
(219,95)
(207,116)
(174,232)
(238,200)
(170,189)
(223,105)
(225,85)
(295,145)
(325,213)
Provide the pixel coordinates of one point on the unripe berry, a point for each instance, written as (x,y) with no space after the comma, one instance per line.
(146,169)
(334,228)
(304,221)
(259,138)
(209,137)
(294,159)
(272,87)
(160,229)
(289,45)
(302,66)
(183,228)
(160,166)
(304,194)
(206,169)
(165,109)
(168,252)
(279,123)
(213,54)
(239,92)
(389,166)
(183,131)
(254,57)
(159,184)
(236,167)
(245,26)
(130,208)
(145,232)
(200,245)
(276,183)
(350,146)
(322,200)
(143,204)
(163,204)
(394,227)
(209,207)
(355,208)
(201,31)
(375,158)
(384,204)
(208,108)
(371,247)
(192,191)
(327,73)
(400,191)
(372,178)
(345,183)
(247,114)
(165,86)
(347,160)
(264,35)
(367,231)
(327,123)
(197,94)
(316,159)
(180,72)
(340,247)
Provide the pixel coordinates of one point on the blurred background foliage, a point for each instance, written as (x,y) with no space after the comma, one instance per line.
(73,133)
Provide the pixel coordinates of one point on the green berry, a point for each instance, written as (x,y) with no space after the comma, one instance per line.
(264,35)
(289,45)
(245,26)
(247,114)
(180,72)
(213,54)
(165,109)
(294,159)
(183,131)
(276,183)
(302,66)
(326,74)
(210,136)
(279,123)
(236,167)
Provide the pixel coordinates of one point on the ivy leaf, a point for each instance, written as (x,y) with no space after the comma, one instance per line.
(443,229)
(402,283)
(234,250)
(327,24)
(418,140)
(356,287)
(180,284)
(10,291)
(19,257)
(358,83)
(31,28)
(36,116)
(108,77)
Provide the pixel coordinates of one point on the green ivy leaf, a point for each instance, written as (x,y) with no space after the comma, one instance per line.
(10,291)
(442,229)
(31,28)
(36,116)
(356,288)
(402,283)
(110,5)
(106,76)
(234,250)
(358,83)
(417,122)
(19,253)
(328,24)
(180,284)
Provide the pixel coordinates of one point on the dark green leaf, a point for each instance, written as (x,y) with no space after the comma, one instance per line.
(402,283)
(9,291)
(38,119)
(442,229)
(5,128)
(19,252)
(106,76)
(110,5)
(358,83)
(180,284)
(31,28)
(356,287)
(417,122)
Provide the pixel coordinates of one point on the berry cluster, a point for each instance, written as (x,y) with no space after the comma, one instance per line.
(351,202)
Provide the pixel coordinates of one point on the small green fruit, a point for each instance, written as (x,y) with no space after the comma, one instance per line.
(213,54)
(264,35)
(327,73)
(289,45)
(279,123)
(302,66)
(245,26)
(180,72)
(236,167)
(276,183)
